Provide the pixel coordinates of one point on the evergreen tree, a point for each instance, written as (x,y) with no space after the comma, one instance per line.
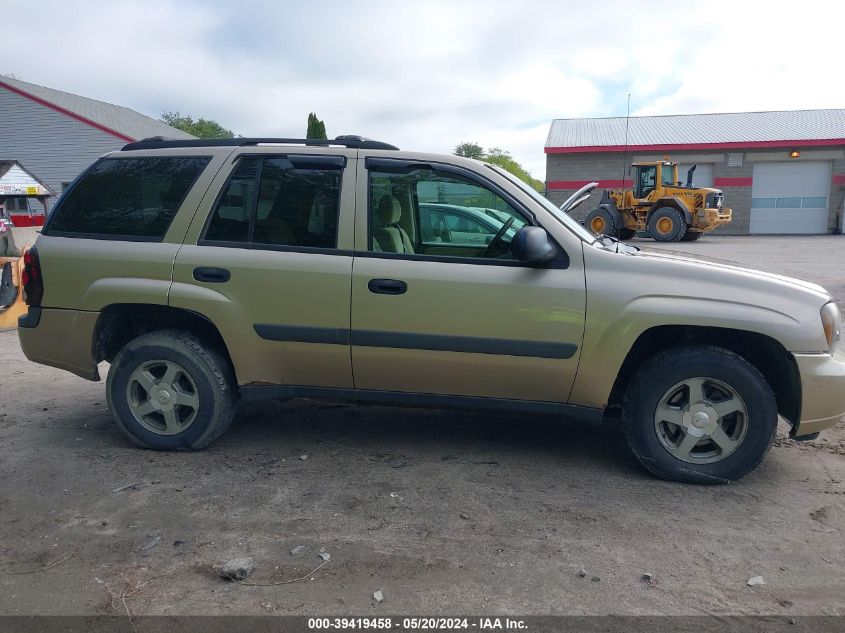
(316,128)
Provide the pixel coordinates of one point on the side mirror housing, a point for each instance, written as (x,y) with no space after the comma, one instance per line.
(533,245)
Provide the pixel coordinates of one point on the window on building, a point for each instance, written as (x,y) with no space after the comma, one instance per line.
(790,202)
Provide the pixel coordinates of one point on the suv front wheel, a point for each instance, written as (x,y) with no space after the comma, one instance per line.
(166,390)
(699,415)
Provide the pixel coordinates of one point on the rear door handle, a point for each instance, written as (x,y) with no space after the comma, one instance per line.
(387,286)
(212,275)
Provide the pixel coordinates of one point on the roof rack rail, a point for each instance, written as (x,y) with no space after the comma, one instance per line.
(347,140)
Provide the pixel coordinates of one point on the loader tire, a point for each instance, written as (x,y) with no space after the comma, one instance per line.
(667,224)
(692,236)
(601,222)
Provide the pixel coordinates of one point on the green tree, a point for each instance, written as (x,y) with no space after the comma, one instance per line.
(500,157)
(202,128)
(316,128)
(470,150)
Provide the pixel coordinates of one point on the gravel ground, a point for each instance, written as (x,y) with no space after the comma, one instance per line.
(443,512)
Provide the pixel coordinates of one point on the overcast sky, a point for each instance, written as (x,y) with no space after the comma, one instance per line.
(426,74)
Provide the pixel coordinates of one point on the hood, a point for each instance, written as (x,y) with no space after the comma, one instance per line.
(738,269)
(578,197)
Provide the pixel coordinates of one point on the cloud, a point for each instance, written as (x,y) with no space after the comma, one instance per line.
(430,75)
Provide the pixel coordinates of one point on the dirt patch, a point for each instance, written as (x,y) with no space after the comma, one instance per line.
(443,512)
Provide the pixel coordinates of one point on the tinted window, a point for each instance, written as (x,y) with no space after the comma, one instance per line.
(131,197)
(297,207)
(231,218)
(294,204)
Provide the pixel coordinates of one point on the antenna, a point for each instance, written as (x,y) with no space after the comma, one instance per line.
(625,156)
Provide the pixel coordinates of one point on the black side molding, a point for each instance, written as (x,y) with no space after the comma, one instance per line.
(466,344)
(31,319)
(404,340)
(422,400)
(302,334)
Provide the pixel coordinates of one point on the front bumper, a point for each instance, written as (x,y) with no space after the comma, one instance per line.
(709,219)
(822,391)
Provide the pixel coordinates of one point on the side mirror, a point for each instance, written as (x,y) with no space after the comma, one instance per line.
(533,245)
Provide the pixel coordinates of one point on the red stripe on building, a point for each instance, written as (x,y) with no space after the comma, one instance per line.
(72,115)
(839,179)
(732,182)
(692,146)
(577,184)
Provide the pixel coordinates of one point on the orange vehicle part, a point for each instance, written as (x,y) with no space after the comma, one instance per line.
(10,310)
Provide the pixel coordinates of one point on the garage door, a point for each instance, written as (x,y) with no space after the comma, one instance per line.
(702,177)
(790,197)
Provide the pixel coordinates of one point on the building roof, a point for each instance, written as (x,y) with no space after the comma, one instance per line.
(740,130)
(124,123)
(15,179)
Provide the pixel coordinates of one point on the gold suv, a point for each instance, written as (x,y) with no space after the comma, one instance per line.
(212,271)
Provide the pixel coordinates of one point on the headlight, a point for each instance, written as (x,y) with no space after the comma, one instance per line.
(832,324)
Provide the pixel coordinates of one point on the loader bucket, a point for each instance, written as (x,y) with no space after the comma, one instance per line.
(11,295)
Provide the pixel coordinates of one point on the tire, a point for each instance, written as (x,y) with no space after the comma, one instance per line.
(692,236)
(747,433)
(627,234)
(667,224)
(190,407)
(601,221)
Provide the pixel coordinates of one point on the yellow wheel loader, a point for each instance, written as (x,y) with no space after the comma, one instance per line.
(659,204)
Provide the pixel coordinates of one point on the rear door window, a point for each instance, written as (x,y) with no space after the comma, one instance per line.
(286,202)
(126,198)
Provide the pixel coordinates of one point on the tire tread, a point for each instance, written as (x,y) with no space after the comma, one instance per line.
(214,361)
(678,471)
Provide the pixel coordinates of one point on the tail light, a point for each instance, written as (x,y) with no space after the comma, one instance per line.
(31,279)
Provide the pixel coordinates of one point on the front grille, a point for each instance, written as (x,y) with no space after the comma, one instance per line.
(715,200)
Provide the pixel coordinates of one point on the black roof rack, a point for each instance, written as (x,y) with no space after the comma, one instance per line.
(159,142)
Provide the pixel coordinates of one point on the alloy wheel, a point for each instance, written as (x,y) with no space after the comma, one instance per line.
(162,397)
(701,420)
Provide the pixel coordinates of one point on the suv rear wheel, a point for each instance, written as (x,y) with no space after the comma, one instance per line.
(166,390)
(700,415)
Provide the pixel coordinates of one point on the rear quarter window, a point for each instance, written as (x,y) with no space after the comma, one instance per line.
(132,198)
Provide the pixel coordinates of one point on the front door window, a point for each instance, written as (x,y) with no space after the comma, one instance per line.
(426,212)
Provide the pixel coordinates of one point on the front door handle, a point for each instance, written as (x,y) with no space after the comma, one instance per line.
(387,286)
(212,275)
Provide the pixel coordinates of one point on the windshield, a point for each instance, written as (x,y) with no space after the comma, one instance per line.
(559,215)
